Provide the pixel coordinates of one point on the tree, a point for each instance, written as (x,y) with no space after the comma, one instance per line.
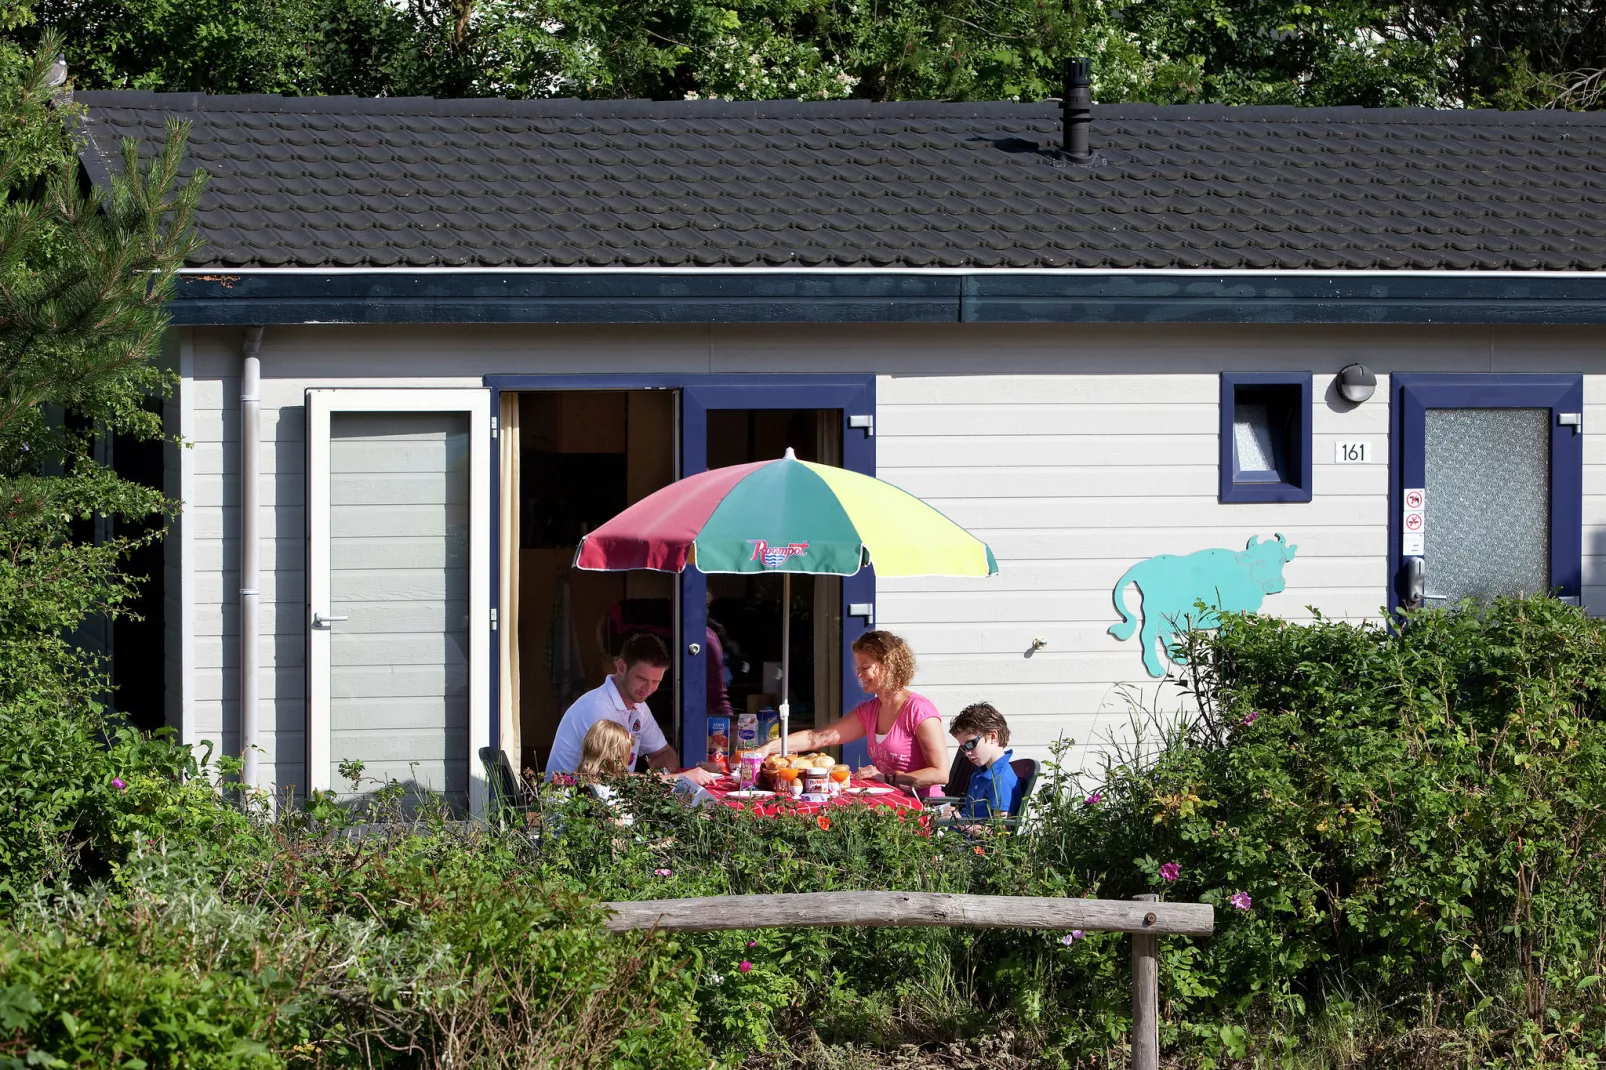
(1516,53)
(83,280)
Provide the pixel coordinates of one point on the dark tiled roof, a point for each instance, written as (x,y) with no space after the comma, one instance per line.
(343,182)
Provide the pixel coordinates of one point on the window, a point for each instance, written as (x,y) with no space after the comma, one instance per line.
(1265,437)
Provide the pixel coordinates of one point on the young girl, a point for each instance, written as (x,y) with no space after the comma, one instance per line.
(605,752)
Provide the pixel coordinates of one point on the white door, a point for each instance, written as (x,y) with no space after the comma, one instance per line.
(398,588)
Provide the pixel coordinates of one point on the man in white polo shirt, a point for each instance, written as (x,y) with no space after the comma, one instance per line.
(638,670)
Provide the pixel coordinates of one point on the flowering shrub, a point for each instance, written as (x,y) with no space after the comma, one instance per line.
(1409,821)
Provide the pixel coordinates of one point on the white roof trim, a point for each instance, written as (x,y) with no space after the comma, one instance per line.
(1383,273)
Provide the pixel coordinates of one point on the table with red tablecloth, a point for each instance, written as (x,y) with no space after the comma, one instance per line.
(897,798)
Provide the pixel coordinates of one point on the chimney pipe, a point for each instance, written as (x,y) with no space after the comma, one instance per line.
(1077,104)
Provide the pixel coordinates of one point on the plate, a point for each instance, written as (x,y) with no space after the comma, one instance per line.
(750,793)
(866,789)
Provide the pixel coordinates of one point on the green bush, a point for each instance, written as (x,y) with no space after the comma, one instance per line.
(420,947)
(1414,817)
(1411,822)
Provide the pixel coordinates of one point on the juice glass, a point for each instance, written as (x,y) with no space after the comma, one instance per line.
(840,774)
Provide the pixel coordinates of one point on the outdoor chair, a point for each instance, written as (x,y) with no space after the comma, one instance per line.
(1025,772)
(508,800)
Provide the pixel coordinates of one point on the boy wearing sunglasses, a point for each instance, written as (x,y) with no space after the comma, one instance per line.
(983,737)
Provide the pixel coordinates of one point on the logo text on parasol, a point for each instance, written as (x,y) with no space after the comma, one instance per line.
(775,556)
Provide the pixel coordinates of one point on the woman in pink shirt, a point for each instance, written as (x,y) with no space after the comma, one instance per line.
(904,729)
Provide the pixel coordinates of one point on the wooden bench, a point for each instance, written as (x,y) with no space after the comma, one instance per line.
(1143,916)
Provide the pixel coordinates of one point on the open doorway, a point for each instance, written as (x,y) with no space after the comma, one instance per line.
(744,611)
(584,455)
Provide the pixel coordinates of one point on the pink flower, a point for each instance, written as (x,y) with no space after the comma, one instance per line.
(1241,900)
(1251,717)
(745,966)
(1094,799)
(752,943)
(1170,871)
(663,873)
(119,783)
(1068,939)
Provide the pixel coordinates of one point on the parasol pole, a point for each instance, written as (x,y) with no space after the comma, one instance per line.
(786,654)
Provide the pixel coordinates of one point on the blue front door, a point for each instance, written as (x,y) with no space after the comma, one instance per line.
(1487,484)
(741,418)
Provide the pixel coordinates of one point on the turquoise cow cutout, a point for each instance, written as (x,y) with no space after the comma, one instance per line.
(1171,586)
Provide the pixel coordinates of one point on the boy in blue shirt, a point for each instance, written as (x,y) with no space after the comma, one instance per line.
(983,738)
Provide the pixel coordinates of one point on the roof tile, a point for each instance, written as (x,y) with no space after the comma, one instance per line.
(415,183)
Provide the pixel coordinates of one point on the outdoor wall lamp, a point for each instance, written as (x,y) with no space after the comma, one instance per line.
(1356,383)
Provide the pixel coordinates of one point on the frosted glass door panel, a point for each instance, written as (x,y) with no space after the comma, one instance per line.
(1487,477)
(399,572)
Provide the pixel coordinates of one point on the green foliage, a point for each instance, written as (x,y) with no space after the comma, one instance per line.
(1514,53)
(82,283)
(64,817)
(419,947)
(1414,817)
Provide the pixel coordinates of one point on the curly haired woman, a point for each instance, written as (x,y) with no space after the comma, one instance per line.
(904,729)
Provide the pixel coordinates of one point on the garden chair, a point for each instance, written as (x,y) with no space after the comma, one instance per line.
(508,800)
(959,779)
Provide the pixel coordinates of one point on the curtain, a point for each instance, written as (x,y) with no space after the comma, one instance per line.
(508,624)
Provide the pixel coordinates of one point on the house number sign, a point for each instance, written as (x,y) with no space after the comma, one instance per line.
(1352,453)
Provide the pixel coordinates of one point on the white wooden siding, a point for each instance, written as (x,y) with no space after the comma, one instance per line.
(1077,478)
(1075,450)
(398,663)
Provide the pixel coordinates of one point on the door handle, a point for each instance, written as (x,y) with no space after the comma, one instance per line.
(321,621)
(1416,576)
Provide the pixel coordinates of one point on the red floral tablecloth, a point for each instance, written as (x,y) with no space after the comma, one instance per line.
(779,804)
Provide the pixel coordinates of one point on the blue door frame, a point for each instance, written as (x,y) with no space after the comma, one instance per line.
(852,394)
(1413,394)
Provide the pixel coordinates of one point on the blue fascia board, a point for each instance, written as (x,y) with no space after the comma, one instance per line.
(652,297)
(480,297)
(1272,298)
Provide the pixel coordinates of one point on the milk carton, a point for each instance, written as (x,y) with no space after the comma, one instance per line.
(747,737)
(769,724)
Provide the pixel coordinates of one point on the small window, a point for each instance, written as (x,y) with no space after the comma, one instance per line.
(1265,437)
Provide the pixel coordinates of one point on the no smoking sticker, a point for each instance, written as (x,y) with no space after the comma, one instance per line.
(1413,522)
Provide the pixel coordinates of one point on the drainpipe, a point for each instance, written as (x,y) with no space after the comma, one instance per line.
(250,559)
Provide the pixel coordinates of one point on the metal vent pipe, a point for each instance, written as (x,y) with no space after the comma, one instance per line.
(1077,105)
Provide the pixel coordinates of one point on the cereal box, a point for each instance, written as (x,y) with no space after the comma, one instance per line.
(719,738)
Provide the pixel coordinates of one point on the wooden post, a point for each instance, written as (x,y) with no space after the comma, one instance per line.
(1145,996)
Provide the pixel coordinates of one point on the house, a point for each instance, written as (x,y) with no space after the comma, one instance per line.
(429,344)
